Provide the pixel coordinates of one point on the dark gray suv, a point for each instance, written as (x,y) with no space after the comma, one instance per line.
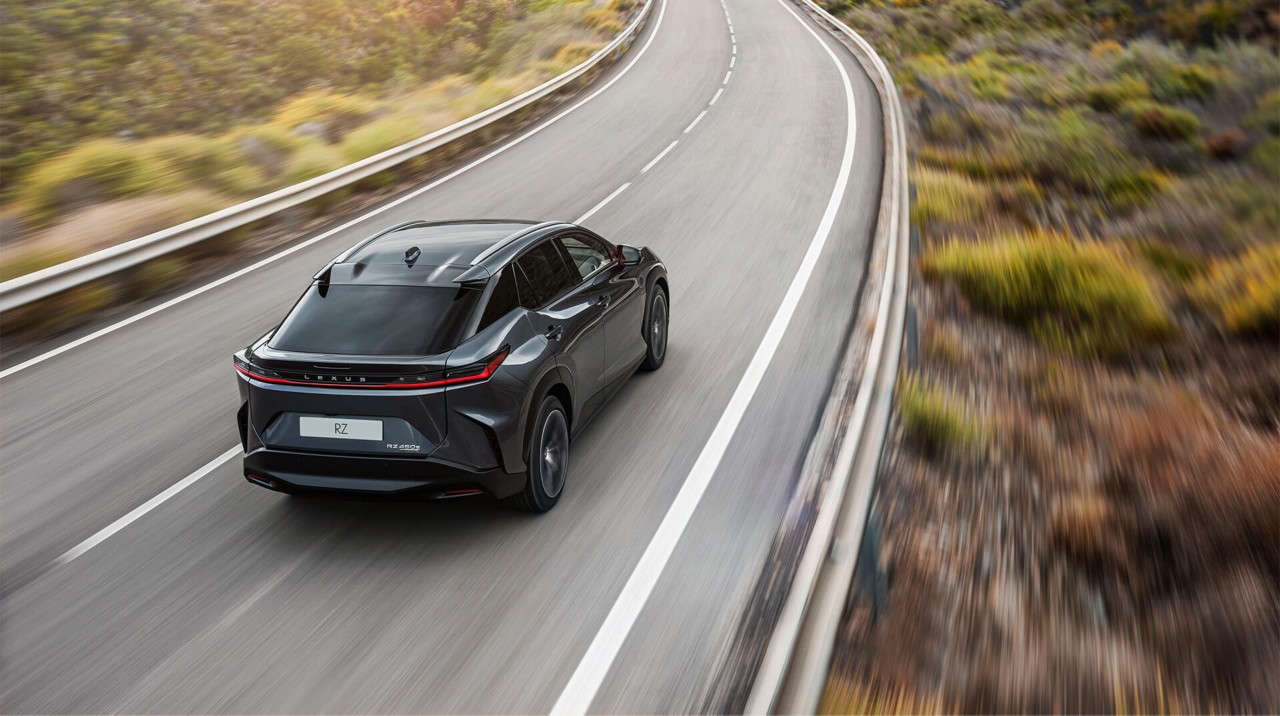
(450,359)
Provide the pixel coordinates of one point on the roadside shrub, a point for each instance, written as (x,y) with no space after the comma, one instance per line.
(1266,157)
(311,162)
(934,419)
(189,155)
(1243,293)
(338,112)
(102,168)
(976,15)
(1164,122)
(1171,261)
(943,196)
(598,17)
(239,180)
(1266,116)
(1110,95)
(1079,294)
(379,136)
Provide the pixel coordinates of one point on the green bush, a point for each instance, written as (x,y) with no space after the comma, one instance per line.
(1080,294)
(936,420)
(104,166)
(379,136)
(1163,122)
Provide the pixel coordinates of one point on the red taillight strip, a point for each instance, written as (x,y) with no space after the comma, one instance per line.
(482,375)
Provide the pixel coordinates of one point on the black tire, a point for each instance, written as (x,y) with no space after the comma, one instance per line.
(547,461)
(657,316)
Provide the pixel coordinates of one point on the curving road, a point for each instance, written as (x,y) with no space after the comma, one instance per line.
(142,574)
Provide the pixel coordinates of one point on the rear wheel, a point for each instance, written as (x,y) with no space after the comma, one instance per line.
(548,459)
(655,329)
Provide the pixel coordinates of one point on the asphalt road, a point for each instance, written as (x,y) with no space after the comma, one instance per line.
(230,598)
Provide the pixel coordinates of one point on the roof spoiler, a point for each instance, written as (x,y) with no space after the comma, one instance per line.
(474,277)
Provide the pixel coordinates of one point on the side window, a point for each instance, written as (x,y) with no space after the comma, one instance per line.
(502,300)
(548,274)
(585,252)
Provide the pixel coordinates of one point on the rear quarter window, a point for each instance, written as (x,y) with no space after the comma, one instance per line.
(503,300)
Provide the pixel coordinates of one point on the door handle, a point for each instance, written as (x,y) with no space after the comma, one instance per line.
(604,301)
(554,333)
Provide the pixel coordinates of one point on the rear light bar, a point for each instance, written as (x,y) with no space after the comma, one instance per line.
(473,373)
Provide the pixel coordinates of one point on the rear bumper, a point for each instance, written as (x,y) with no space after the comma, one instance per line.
(289,471)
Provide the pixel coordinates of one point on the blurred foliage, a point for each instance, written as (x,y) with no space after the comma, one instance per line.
(1081,294)
(75,69)
(1243,292)
(937,420)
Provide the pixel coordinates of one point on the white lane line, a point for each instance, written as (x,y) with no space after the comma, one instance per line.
(726,77)
(718,93)
(733,61)
(670,146)
(603,201)
(146,507)
(591,671)
(662,10)
(695,121)
(735,50)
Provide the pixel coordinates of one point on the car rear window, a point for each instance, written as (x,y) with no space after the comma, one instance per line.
(377,320)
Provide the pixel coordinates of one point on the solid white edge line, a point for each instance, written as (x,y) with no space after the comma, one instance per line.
(695,121)
(718,93)
(106,532)
(670,146)
(662,9)
(603,201)
(581,690)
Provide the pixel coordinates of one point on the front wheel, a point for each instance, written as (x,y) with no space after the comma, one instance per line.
(655,329)
(548,459)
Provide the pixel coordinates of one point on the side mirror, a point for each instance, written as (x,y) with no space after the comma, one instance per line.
(630,255)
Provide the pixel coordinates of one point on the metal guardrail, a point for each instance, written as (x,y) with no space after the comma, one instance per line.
(793,672)
(100,264)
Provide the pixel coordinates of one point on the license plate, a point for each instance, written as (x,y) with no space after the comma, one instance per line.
(341,428)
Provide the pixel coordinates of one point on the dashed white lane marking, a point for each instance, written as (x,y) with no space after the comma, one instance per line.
(603,201)
(146,507)
(726,77)
(718,93)
(662,11)
(735,50)
(599,657)
(670,146)
(733,61)
(695,121)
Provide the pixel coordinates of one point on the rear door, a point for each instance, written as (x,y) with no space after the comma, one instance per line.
(565,314)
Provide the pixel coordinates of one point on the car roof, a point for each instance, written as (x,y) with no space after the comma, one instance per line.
(444,251)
